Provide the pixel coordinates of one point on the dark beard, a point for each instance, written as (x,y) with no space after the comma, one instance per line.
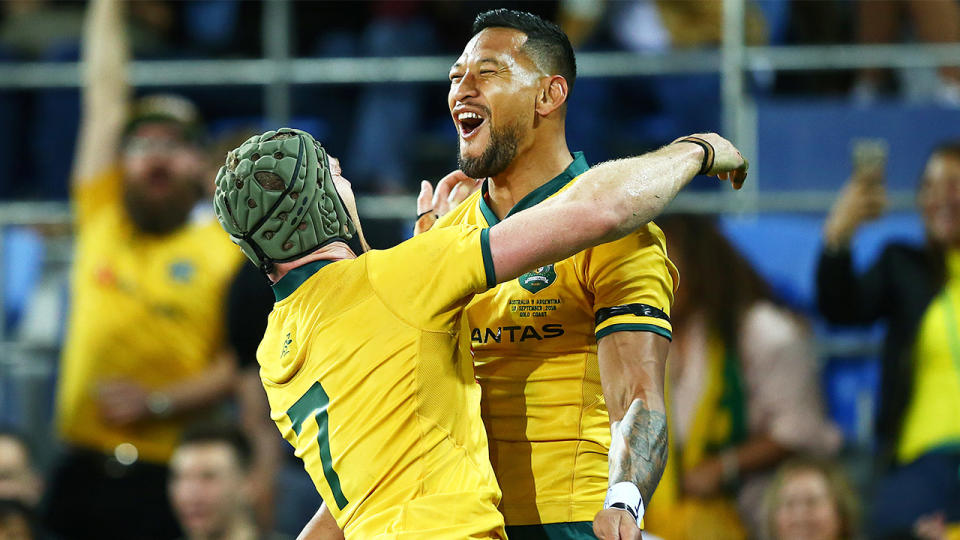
(160,217)
(497,156)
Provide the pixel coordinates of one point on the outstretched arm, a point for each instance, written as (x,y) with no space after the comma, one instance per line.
(606,203)
(105,54)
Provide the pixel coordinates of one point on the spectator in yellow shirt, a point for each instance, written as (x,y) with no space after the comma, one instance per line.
(148,286)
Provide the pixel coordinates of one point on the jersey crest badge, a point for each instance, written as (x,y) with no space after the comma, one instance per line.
(181,271)
(539,279)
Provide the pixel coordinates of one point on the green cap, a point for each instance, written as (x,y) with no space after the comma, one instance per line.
(166,108)
(276,199)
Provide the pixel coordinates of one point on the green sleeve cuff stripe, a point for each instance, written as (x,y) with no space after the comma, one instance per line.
(487,258)
(631,327)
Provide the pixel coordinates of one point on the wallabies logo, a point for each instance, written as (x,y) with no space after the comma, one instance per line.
(539,279)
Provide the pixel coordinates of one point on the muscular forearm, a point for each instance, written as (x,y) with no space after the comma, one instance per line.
(638,447)
(633,191)
(632,366)
(105,55)
(606,203)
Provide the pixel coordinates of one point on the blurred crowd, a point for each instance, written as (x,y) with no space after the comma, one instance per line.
(398,123)
(162,426)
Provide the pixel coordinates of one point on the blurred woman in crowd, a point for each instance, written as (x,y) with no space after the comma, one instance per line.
(916,291)
(743,390)
(811,499)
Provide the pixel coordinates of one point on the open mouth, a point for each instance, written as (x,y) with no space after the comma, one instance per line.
(469,123)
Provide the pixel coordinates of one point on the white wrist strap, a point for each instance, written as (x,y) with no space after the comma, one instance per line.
(626,496)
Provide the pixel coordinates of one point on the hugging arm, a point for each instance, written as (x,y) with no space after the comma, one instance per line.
(606,203)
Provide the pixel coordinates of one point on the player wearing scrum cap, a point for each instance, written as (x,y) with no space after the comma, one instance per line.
(360,360)
(148,290)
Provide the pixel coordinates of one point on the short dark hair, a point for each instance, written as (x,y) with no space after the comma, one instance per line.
(547,44)
(217,432)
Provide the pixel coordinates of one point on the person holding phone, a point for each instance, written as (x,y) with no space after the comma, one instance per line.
(916,291)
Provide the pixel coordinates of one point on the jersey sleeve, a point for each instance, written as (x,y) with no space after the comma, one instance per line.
(92,195)
(428,279)
(632,282)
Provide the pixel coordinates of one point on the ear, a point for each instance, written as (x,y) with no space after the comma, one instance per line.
(553,94)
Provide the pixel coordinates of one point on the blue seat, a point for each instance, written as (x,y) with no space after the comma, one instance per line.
(22,259)
(784,248)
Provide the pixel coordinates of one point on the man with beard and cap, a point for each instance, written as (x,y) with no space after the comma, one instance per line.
(148,288)
(361,360)
(573,350)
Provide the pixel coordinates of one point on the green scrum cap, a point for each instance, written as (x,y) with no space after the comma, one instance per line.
(276,199)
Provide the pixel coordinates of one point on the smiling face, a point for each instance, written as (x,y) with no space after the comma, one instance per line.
(162,176)
(807,509)
(939,199)
(494,87)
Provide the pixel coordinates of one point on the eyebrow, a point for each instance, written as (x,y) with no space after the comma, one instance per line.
(487,60)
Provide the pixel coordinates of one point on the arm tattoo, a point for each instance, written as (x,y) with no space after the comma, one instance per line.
(638,448)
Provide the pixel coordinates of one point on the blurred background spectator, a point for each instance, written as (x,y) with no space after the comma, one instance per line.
(19,478)
(811,499)
(132,372)
(16,521)
(210,484)
(743,387)
(917,291)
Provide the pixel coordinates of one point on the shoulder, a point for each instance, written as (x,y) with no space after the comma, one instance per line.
(635,245)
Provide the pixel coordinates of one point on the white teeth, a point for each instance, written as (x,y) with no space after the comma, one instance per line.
(465,115)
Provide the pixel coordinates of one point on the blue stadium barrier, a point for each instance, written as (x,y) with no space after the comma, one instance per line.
(794,132)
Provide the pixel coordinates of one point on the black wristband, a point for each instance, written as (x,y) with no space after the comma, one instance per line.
(421,214)
(623,506)
(708,153)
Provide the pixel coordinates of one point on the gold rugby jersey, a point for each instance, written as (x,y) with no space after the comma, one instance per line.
(364,379)
(144,308)
(534,341)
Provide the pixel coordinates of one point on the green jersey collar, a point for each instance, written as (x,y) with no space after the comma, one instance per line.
(576,168)
(294,278)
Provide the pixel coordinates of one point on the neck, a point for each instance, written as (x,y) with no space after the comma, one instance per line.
(335,251)
(530,169)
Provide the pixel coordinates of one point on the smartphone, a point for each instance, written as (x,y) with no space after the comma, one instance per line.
(869,155)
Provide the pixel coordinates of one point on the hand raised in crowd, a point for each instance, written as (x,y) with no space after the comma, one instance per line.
(863,198)
(451,190)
